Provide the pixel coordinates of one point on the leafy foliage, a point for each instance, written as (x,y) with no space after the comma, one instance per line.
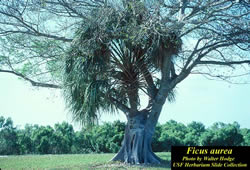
(221,134)
(109,58)
(8,137)
(246,136)
(194,132)
(107,138)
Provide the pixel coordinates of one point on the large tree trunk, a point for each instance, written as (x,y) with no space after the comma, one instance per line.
(136,146)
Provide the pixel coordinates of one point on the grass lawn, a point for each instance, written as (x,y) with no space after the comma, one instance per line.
(81,161)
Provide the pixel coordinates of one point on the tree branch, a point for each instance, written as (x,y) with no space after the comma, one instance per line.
(183,5)
(149,80)
(30,29)
(164,89)
(34,83)
(120,106)
(38,34)
(229,63)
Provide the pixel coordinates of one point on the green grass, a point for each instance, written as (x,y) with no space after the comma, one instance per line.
(82,161)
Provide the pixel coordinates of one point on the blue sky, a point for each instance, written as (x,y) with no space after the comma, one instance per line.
(198,99)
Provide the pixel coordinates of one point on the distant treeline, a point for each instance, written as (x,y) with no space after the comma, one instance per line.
(107,138)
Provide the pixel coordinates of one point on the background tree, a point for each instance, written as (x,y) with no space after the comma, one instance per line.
(43,139)
(121,49)
(25,141)
(8,137)
(221,134)
(246,136)
(173,134)
(63,138)
(115,136)
(102,138)
(194,132)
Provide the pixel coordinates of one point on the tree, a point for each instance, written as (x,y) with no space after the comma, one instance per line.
(121,49)
(102,138)
(221,134)
(114,136)
(173,134)
(195,130)
(63,138)
(43,139)
(8,137)
(246,136)
(25,141)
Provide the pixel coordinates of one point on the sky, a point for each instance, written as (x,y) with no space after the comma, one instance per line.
(198,99)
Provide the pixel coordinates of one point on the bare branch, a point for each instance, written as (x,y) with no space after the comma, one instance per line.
(34,83)
(224,63)
(38,34)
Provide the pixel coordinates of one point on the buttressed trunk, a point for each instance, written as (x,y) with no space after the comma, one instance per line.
(136,146)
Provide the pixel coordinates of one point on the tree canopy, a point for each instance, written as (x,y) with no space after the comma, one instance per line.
(149,47)
(127,41)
